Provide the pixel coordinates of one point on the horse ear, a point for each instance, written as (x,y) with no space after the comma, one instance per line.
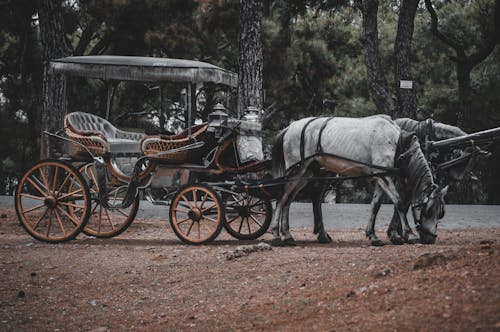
(443,191)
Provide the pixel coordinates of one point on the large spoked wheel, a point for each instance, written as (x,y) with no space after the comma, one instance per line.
(196,214)
(106,223)
(247,217)
(46,194)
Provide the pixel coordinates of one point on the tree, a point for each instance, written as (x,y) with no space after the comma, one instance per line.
(54,45)
(250,57)
(466,62)
(377,84)
(407,99)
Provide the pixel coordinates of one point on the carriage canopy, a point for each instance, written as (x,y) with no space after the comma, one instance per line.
(144,69)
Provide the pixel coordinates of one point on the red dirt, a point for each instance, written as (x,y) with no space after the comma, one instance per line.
(146,279)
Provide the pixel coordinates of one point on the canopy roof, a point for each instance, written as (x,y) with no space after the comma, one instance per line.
(143,69)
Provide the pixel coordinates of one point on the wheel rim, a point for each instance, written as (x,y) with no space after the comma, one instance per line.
(103,222)
(45,195)
(196,214)
(246,215)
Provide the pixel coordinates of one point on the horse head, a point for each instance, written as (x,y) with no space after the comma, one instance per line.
(428,212)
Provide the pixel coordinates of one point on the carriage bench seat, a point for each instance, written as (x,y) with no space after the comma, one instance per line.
(100,136)
(158,146)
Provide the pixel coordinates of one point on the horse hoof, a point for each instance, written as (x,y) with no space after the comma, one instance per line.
(377,243)
(277,242)
(412,240)
(324,238)
(397,240)
(290,242)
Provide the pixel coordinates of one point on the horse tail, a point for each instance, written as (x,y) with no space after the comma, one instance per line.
(278,158)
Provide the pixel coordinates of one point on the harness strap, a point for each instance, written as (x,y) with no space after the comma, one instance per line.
(319,148)
(303,133)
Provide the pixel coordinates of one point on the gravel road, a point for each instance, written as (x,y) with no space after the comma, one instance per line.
(349,216)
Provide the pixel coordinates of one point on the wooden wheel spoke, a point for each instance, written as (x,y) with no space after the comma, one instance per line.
(70,194)
(94,181)
(49,223)
(34,208)
(248,225)
(60,222)
(32,196)
(206,227)
(122,212)
(99,220)
(110,220)
(208,208)
(199,229)
(195,198)
(190,227)
(241,225)
(40,219)
(76,222)
(44,180)
(204,200)
(182,221)
(72,205)
(187,202)
(260,202)
(258,212)
(37,187)
(181,210)
(236,217)
(54,180)
(256,221)
(211,219)
(64,182)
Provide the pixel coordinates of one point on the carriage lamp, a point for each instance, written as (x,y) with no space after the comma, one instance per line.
(217,120)
(251,114)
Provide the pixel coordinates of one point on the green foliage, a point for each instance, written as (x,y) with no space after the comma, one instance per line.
(313,55)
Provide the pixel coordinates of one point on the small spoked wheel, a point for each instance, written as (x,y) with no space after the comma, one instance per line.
(247,217)
(196,214)
(106,223)
(52,201)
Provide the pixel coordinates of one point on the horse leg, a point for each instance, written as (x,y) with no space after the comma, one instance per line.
(394,230)
(319,226)
(390,189)
(375,206)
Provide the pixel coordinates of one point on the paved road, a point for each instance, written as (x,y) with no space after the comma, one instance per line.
(348,216)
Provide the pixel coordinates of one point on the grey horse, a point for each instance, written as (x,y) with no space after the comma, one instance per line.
(348,146)
(426,130)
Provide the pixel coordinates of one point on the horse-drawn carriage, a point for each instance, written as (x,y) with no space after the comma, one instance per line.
(92,189)
(95,187)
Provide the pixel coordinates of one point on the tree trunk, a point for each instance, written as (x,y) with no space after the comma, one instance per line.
(250,55)
(407,98)
(54,46)
(376,80)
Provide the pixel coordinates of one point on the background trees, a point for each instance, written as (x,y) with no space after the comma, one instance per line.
(319,57)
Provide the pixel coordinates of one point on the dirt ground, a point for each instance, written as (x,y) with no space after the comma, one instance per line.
(146,279)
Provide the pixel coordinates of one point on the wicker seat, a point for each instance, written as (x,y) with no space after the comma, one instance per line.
(99,136)
(153,145)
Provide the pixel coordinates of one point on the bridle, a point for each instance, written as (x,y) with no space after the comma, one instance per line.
(421,207)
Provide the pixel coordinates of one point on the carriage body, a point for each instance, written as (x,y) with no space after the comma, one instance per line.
(107,167)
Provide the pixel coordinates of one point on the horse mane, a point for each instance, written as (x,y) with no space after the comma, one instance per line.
(437,130)
(278,159)
(407,124)
(415,167)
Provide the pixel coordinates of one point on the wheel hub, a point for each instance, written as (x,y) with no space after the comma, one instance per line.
(195,214)
(50,201)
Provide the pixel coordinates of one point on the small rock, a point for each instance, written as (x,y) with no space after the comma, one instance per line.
(21,294)
(192,317)
(93,303)
(3,215)
(350,294)
(383,273)
(33,274)
(101,329)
